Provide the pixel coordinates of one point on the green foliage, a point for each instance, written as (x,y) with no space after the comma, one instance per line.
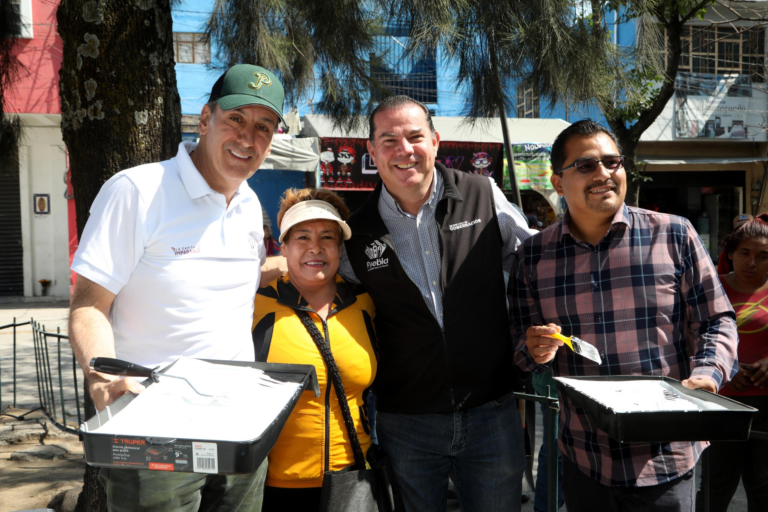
(496,45)
(642,92)
(563,49)
(323,44)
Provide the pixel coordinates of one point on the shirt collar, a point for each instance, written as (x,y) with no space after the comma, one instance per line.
(620,217)
(193,181)
(434,196)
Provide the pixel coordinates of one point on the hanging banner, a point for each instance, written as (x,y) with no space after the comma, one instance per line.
(532,167)
(711,106)
(345,163)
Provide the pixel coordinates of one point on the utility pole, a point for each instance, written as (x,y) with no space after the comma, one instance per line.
(509,155)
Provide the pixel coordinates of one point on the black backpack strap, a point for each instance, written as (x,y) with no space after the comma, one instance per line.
(330,362)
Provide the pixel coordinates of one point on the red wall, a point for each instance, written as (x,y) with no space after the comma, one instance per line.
(36,91)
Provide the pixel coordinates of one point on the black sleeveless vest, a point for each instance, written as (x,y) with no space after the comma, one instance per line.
(423,369)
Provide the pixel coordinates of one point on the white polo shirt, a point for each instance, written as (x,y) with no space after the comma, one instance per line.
(184,266)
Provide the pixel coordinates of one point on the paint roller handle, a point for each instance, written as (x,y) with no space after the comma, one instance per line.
(120,367)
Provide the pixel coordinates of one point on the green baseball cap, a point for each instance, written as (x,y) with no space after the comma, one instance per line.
(246,84)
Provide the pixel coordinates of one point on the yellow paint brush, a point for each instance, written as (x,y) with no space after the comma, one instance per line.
(579,346)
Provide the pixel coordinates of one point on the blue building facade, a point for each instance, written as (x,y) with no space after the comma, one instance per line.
(195,78)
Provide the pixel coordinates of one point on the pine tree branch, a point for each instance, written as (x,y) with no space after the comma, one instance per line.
(667,90)
(685,18)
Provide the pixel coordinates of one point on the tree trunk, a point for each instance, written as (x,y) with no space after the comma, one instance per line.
(629,150)
(120,108)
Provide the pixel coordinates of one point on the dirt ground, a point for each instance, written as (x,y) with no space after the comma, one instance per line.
(32,484)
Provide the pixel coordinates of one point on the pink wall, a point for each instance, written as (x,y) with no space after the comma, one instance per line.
(36,91)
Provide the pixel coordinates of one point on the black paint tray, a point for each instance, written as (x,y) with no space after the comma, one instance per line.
(184,455)
(732,424)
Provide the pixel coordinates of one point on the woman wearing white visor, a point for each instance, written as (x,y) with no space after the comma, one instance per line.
(309,310)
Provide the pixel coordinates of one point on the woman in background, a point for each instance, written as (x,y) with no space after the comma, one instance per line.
(270,244)
(747,289)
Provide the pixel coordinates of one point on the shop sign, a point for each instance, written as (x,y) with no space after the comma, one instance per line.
(345,163)
(532,167)
(711,106)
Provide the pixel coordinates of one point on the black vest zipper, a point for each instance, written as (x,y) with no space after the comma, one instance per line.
(442,295)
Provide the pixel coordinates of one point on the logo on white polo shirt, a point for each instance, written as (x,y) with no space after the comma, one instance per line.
(374,253)
(179,251)
(464,224)
(254,244)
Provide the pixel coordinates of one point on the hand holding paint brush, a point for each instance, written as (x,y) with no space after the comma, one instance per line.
(581,347)
(543,342)
(541,345)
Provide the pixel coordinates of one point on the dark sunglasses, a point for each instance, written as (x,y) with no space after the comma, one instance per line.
(589,165)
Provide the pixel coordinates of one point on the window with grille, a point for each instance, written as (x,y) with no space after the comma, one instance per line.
(527,103)
(190,48)
(23,12)
(399,72)
(723,51)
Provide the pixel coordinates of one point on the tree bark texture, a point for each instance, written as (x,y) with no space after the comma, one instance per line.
(120,105)
(629,150)
(120,109)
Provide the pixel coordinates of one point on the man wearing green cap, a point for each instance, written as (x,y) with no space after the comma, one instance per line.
(168,266)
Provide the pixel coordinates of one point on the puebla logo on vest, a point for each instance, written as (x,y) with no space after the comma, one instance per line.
(374,253)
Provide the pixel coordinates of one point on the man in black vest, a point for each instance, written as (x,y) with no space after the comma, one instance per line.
(431,245)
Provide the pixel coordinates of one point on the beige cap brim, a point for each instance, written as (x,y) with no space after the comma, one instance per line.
(312,210)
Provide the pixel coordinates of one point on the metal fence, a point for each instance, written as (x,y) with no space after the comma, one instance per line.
(551,413)
(54,397)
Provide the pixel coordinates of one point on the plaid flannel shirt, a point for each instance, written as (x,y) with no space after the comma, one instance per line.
(648,297)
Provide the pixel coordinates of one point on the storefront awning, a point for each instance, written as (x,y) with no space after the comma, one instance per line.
(659,160)
(290,154)
(533,131)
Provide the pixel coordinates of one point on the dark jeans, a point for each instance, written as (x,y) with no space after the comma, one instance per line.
(130,490)
(540,503)
(731,461)
(582,494)
(480,448)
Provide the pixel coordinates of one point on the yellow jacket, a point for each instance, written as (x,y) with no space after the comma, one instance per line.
(298,459)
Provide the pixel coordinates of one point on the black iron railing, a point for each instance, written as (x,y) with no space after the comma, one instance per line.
(50,378)
(14,325)
(551,413)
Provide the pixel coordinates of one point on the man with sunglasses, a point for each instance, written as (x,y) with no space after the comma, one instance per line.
(640,287)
